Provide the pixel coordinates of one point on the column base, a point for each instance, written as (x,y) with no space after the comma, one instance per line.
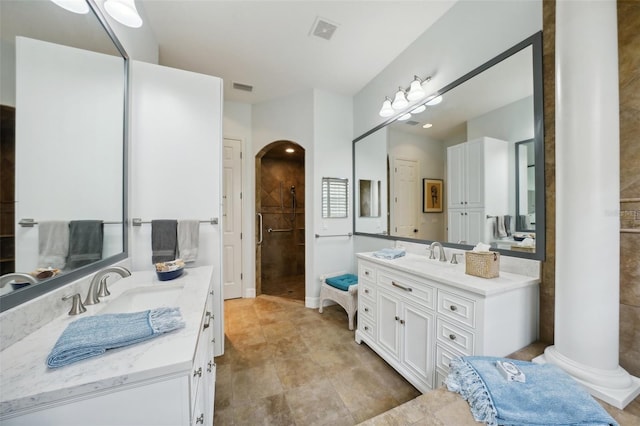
(616,387)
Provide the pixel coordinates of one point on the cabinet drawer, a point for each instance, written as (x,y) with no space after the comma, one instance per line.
(444,356)
(367,271)
(457,308)
(440,378)
(367,309)
(455,337)
(366,290)
(368,329)
(417,292)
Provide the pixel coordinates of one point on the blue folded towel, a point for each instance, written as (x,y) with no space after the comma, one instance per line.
(342,282)
(389,253)
(94,335)
(548,397)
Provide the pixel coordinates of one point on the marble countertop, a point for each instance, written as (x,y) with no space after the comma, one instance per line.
(26,382)
(454,275)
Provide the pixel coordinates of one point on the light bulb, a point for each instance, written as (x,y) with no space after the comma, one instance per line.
(434,101)
(400,101)
(124,11)
(416,92)
(418,109)
(386,110)
(75,6)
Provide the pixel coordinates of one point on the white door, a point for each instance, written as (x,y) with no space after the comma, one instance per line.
(232,223)
(388,323)
(418,341)
(407,196)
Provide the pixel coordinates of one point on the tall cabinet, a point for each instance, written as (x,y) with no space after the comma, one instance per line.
(477,174)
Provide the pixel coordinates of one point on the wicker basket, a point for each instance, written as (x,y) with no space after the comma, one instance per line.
(482,264)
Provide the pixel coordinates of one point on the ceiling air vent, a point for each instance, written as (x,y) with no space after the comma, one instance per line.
(412,122)
(323,28)
(241,86)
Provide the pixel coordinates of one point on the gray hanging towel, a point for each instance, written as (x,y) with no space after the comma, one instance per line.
(85,242)
(164,240)
(53,244)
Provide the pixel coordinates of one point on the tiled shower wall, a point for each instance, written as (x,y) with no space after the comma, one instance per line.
(629,75)
(282,252)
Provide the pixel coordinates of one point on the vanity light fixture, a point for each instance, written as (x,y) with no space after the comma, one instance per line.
(416,92)
(124,11)
(75,6)
(434,101)
(404,117)
(418,109)
(386,110)
(400,101)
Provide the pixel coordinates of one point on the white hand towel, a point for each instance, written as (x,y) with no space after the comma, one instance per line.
(188,240)
(502,231)
(53,244)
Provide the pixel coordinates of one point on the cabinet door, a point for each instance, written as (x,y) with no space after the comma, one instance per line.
(388,322)
(457,226)
(476,222)
(475,174)
(456,176)
(418,342)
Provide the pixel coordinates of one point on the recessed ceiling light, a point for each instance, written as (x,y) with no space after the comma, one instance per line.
(290,150)
(427,125)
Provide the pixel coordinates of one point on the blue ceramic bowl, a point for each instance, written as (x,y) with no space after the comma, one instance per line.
(169,275)
(17,286)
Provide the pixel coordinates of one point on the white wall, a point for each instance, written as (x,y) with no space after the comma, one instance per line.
(61,114)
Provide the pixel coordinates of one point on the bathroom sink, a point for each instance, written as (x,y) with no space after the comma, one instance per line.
(143,298)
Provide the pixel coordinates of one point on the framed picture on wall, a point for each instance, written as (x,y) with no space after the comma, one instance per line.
(432,195)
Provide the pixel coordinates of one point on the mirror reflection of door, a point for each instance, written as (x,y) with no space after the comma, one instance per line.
(405,205)
(525,186)
(369,198)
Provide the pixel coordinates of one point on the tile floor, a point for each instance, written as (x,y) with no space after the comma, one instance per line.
(285,364)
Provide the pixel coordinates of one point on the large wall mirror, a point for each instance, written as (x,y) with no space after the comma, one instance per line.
(480,139)
(64,107)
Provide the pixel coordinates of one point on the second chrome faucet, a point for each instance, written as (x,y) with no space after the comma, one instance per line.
(442,254)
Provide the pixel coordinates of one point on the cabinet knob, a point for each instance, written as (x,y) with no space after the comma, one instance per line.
(366,328)
(366,309)
(452,336)
(402,322)
(453,308)
(210,366)
(461,214)
(366,272)
(461,202)
(197,372)
(397,318)
(366,290)
(200,419)
(465,202)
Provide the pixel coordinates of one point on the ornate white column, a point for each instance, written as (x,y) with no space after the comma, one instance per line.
(587,201)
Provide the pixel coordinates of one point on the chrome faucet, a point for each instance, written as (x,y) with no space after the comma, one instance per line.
(443,255)
(12,276)
(99,280)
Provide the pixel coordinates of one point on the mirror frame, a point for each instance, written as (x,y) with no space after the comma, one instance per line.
(535,41)
(15,298)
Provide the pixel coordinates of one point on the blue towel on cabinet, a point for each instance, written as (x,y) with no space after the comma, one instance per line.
(94,335)
(549,396)
(389,253)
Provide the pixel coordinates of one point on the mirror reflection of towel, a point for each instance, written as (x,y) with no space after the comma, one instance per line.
(164,240)
(53,244)
(85,242)
(188,239)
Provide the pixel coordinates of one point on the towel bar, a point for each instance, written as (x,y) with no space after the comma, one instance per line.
(136,221)
(30,223)
(334,235)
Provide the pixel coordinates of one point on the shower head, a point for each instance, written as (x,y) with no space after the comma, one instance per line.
(293,189)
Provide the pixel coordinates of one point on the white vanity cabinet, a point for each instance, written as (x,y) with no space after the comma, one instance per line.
(477,173)
(418,315)
(169,380)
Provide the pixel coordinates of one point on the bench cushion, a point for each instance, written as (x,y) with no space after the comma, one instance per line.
(342,282)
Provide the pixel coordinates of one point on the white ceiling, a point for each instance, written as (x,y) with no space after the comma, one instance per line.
(267,44)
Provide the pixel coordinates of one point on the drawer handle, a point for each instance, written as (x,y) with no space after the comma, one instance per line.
(207,322)
(395,284)
(197,372)
(366,309)
(453,308)
(452,336)
(200,420)
(366,328)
